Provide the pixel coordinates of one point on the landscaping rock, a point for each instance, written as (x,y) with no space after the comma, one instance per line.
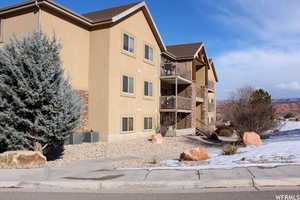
(156,138)
(196,154)
(22,159)
(252,138)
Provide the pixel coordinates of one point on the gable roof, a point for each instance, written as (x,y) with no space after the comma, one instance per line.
(99,19)
(185,51)
(108,14)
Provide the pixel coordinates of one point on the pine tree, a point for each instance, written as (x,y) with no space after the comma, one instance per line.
(261,96)
(38,106)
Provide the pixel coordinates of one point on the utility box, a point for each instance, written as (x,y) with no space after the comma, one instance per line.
(82,137)
(90,137)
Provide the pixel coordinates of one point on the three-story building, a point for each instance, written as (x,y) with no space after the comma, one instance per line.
(131,82)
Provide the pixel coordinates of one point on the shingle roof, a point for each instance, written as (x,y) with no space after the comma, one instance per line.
(90,21)
(108,14)
(184,51)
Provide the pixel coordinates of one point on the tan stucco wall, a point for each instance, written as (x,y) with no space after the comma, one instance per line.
(212,95)
(76,47)
(188,65)
(211,75)
(200,76)
(212,115)
(99,82)
(135,105)
(20,26)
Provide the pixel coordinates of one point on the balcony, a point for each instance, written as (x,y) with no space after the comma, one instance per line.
(211,86)
(173,103)
(175,69)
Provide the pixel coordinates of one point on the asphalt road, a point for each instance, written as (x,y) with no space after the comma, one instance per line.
(272,194)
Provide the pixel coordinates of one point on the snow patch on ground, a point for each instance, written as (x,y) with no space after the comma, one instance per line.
(282,148)
(290,125)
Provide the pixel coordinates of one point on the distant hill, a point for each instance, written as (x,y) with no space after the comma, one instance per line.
(287,105)
(281,105)
(291,100)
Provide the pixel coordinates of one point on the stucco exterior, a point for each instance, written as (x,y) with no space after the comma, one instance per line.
(18,25)
(76,47)
(136,105)
(94,60)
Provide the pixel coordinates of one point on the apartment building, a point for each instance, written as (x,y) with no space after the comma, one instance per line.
(118,61)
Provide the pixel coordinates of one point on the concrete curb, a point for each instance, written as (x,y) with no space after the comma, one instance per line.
(9,184)
(106,185)
(276,182)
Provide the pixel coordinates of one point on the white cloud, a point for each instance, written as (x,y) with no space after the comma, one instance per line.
(275,22)
(257,67)
(289,86)
(271,51)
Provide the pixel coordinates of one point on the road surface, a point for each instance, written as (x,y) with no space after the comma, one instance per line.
(211,194)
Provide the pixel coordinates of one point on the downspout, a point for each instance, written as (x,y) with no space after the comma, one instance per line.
(39,15)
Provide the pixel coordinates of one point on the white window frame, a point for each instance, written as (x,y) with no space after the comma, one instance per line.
(149,89)
(131,43)
(129,127)
(128,89)
(150,53)
(147,123)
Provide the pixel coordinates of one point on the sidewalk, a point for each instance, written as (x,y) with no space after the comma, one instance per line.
(89,175)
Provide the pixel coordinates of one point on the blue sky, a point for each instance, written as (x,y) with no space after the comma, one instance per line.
(253,42)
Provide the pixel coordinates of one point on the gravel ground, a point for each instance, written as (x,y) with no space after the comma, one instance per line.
(132,153)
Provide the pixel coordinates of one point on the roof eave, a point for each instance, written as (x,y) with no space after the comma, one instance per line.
(199,49)
(88,22)
(50,4)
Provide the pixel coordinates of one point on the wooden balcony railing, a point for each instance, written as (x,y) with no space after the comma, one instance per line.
(176,69)
(169,102)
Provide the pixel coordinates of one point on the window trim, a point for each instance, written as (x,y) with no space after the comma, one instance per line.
(148,96)
(128,94)
(148,61)
(152,122)
(133,126)
(127,52)
(149,46)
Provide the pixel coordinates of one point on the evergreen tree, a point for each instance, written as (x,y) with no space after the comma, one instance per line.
(38,107)
(261,96)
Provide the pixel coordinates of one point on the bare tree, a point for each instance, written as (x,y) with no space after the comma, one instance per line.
(250,110)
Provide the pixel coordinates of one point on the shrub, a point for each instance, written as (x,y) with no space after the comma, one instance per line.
(225,131)
(251,110)
(290,115)
(38,107)
(230,149)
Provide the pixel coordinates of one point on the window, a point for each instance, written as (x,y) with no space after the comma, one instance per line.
(148,88)
(128,84)
(127,124)
(148,52)
(128,43)
(148,123)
